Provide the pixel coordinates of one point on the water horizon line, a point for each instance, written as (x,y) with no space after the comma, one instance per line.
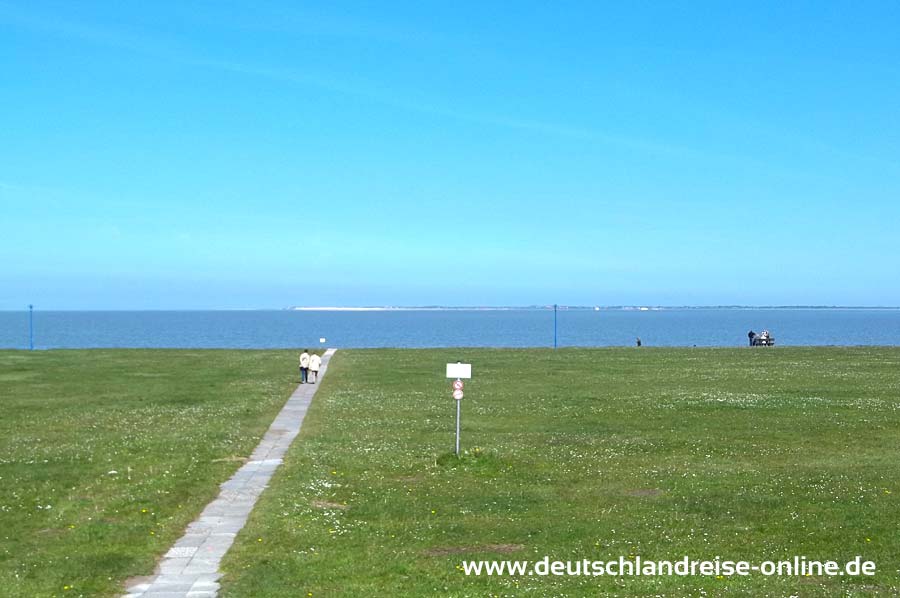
(398,308)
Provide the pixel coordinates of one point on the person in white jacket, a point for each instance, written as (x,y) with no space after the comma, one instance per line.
(315,362)
(304,366)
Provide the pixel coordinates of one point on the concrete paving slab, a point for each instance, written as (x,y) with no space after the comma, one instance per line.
(181,551)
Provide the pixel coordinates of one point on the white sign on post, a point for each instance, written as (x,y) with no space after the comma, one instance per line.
(459,370)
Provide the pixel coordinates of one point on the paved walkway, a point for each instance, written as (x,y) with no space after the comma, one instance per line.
(191,567)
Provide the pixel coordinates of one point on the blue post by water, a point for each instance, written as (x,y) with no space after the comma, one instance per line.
(554,325)
(30,327)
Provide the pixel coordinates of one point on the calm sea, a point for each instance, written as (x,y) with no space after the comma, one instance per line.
(510,328)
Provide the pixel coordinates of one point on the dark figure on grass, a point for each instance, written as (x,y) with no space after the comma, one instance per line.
(752,336)
(638,341)
(304,366)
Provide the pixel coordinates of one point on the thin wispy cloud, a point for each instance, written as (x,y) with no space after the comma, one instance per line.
(171,50)
(413,101)
(299,20)
(20,188)
(155,47)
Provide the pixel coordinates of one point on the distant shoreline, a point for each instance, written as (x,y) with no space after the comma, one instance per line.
(388,308)
(587,308)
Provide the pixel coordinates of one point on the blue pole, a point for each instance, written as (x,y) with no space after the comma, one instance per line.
(554,325)
(30,327)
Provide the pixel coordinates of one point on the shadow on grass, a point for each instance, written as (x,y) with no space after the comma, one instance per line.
(474,460)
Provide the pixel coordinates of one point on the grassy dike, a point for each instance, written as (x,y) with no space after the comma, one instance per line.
(584,454)
(105,456)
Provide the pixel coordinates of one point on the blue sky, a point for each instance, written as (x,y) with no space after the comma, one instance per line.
(229,155)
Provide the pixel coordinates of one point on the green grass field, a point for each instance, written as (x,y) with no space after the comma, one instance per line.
(584,454)
(105,456)
(575,454)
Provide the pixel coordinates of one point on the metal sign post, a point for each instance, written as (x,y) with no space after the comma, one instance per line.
(555,308)
(458,395)
(30,327)
(459,371)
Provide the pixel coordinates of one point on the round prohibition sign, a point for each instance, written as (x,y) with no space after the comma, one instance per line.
(457,385)
(458,395)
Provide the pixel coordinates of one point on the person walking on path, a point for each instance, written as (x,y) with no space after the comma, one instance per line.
(315,362)
(304,366)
